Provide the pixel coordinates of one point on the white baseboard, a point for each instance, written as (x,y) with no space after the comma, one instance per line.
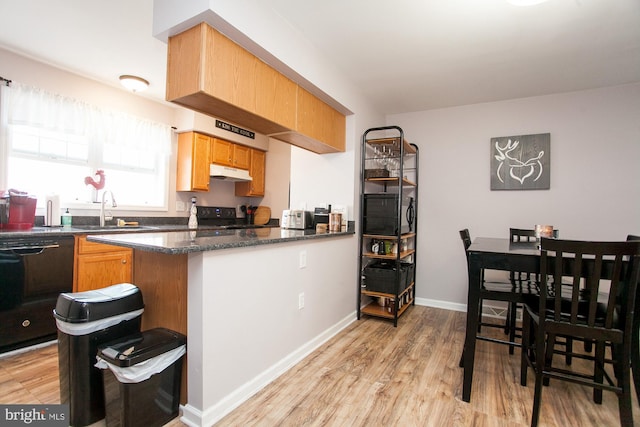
(196,418)
(441,304)
(27,349)
(488,310)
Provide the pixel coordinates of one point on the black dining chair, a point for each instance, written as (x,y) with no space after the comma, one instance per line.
(521,281)
(495,291)
(635,344)
(603,322)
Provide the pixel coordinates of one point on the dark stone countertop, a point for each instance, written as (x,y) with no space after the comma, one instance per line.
(183,242)
(40,231)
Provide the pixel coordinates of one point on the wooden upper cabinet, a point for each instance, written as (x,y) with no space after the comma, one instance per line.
(319,121)
(233,77)
(275,95)
(186,65)
(194,158)
(255,187)
(319,127)
(241,156)
(229,154)
(209,73)
(221,152)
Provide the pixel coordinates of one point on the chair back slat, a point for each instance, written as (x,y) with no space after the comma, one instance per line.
(616,286)
(522,235)
(586,264)
(593,285)
(466,238)
(465,235)
(575,287)
(519,235)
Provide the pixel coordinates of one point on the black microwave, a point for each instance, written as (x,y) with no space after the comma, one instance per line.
(380,214)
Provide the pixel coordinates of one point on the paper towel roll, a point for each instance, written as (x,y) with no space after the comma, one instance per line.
(52,214)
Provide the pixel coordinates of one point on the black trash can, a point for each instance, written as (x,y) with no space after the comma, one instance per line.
(142,377)
(85,320)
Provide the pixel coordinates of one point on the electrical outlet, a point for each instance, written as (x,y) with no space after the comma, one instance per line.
(301,301)
(303,259)
(180,206)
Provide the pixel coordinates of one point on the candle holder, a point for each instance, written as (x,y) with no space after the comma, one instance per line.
(541,231)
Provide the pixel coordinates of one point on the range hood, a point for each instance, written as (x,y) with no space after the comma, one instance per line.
(228,173)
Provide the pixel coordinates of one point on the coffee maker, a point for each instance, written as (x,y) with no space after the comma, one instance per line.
(17,210)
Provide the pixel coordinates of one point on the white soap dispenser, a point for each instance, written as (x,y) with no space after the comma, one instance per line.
(193,219)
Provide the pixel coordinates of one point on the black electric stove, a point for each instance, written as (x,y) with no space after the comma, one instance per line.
(212,216)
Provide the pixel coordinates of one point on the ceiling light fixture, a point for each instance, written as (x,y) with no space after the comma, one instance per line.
(134,83)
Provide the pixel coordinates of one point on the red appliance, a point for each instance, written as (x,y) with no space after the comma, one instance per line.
(21,210)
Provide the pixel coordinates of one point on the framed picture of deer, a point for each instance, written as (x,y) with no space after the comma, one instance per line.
(521,162)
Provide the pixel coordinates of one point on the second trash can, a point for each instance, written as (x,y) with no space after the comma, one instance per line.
(86,320)
(142,377)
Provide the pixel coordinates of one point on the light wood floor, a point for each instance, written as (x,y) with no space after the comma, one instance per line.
(373,374)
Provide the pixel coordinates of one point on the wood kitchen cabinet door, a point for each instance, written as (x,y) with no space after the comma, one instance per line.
(102,270)
(234,69)
(194,154)
(241,156)
(221,152)
(229,154)
(256,187)
(319,121)
(275,96)
(97,266)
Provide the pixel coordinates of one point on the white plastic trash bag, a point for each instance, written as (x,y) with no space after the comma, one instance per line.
(143,370)
(97,325)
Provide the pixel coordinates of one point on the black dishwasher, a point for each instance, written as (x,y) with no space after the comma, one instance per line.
(33,272)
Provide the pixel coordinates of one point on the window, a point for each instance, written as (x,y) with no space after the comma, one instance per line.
(53,143)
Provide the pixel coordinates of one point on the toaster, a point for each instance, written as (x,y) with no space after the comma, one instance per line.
(296,219)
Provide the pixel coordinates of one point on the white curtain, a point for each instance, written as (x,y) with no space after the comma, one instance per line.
(4,97)
(38,108)
(66,140)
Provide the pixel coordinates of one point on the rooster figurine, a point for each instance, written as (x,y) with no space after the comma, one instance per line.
(99,185)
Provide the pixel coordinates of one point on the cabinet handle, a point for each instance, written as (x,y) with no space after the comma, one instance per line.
(26,323)
(124,261)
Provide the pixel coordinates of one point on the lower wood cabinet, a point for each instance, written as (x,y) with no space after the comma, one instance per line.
(97,265)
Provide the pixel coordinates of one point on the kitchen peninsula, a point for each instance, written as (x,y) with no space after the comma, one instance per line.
(252,302)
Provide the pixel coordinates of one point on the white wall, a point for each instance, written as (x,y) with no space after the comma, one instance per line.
(595,176)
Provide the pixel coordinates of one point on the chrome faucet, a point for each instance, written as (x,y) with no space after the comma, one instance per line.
(104,217)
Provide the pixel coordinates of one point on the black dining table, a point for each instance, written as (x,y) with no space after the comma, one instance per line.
(486,253)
